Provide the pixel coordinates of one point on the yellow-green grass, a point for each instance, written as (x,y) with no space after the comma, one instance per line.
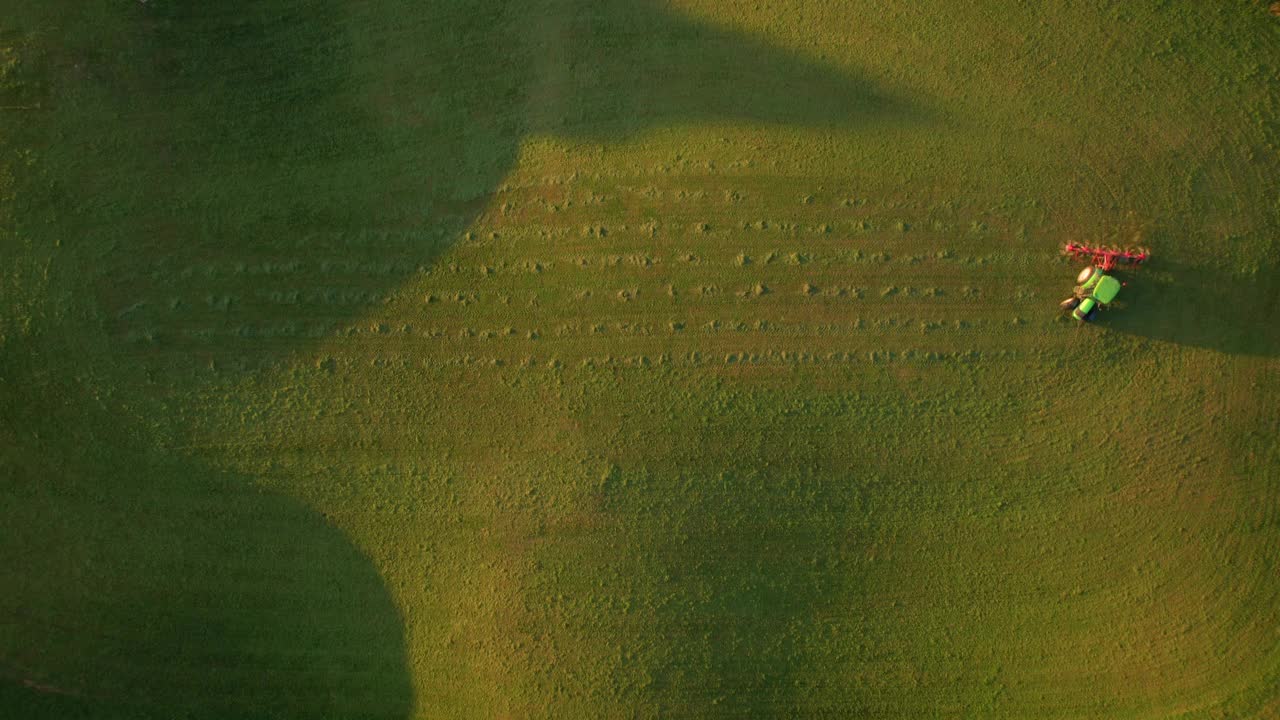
(636,359)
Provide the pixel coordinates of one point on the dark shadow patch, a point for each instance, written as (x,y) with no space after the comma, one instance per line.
(1200,306)
(144,586)
(200,164)
(739,537)
(246,179)
(608,69)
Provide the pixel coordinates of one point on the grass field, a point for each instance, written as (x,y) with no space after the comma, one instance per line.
(645,359)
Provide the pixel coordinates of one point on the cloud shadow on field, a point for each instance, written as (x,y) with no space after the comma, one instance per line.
(748,566)
(607,69)
(259,147)
(738,530)
(140,586)
(1200,306)
(266,174)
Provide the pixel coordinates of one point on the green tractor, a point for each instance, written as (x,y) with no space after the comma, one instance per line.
(1097,289)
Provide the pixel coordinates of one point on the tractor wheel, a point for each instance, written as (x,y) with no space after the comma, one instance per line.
(1069,304)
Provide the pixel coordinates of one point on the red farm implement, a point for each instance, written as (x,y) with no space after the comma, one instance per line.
(1105,258)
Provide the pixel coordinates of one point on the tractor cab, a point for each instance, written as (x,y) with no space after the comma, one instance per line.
(1096,289)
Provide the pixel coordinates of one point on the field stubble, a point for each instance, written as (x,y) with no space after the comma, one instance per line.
(582,382)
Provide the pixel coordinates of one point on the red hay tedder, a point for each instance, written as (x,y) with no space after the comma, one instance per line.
(1105,258)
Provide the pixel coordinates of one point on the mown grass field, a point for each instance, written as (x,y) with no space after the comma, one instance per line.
(636,359)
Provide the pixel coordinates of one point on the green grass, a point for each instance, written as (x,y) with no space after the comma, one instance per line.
(634,359)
